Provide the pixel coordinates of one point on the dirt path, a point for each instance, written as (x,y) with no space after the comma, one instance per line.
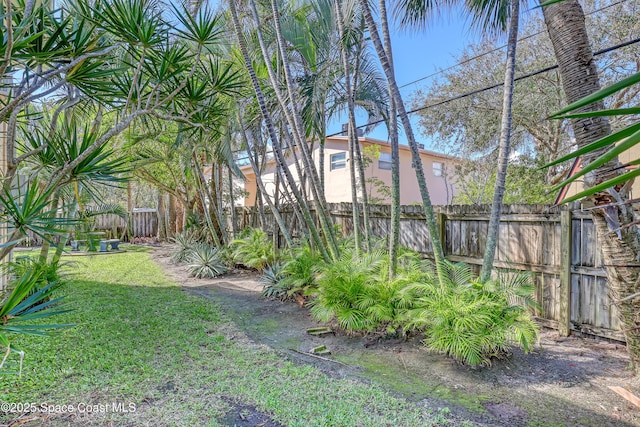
(562,383)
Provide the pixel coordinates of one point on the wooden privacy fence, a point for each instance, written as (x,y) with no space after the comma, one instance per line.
(558,246)
(143,223)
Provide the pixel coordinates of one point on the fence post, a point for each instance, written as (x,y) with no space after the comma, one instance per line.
(564,319)
(441,222)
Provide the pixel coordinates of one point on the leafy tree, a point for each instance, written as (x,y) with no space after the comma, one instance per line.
(524,184)
(117,61)
(469,126)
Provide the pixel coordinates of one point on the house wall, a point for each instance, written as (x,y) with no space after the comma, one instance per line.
(338,181)
(628,156)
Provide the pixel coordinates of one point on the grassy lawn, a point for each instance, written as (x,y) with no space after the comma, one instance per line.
(140,340)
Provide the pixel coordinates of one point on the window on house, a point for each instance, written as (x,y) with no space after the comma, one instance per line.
(438,168)
(384,161)
(338,160)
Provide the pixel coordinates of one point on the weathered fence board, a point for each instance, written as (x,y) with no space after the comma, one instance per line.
(142,223)
(530,239)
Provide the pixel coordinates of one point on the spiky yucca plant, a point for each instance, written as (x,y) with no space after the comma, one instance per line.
(469,320)
(184,245)
(23,308)
(205,261)
(271,280)
(253,249)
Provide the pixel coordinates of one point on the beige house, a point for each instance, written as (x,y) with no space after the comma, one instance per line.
(438,169)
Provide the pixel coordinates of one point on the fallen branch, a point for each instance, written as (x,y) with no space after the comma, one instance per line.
(319,357)
(626,394)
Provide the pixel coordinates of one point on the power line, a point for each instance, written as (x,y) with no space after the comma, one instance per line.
(466,61)
(486,88)
(496,85)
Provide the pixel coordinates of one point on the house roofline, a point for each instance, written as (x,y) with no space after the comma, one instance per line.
(372,141)
(575,167)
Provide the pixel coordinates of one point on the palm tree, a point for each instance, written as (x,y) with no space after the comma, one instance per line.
(614,222)
(352,135)
(504,142)
(427,206)
(394,235)
(273,136)
(490,16)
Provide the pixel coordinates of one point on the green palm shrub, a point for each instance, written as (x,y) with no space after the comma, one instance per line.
(349,291)
(271,280)
(472,321)
(205,261)
(300,269)
(253,249)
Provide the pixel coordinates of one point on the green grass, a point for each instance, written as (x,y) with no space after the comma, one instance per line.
(139,339)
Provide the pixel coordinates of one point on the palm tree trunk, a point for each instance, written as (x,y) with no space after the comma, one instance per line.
(273,136)
(504,144)
(366,222)
(200,188)
(232,205)
(353,137)
(260,183)
(162,214)
(620,245)
(427,206)
(291,113)
(394,232)
(173,216)
(299,134)
(44,250)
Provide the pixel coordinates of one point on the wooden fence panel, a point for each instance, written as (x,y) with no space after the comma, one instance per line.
(530,239)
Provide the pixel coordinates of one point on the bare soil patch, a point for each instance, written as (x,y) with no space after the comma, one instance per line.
(562,382)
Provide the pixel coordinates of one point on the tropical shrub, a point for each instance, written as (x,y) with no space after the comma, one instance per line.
(44,273)
(253,249)
(300,269)
(204,261)
(472,321)
(21,265)
(271,280)
(349,291)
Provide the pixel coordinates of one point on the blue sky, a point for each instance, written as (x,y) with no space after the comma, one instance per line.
(418,54)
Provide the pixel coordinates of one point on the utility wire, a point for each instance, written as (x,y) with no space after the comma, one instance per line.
(466,61)
(486,88)
(496,85)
